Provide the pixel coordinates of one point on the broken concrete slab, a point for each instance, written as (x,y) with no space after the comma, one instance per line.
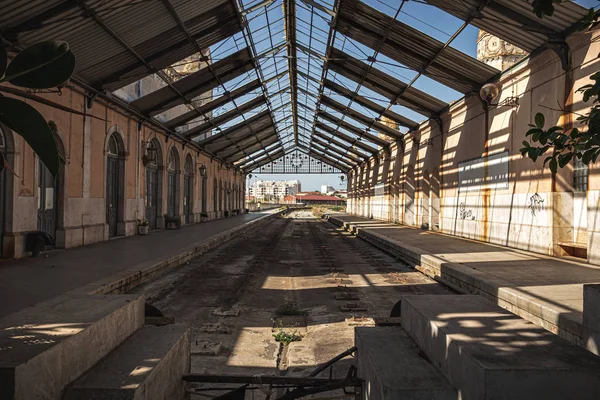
(487,352)
(356,306)
(389,362)
(206,348)
(217,327)
(149,365)
(347,296)
(46,347)
(219,312)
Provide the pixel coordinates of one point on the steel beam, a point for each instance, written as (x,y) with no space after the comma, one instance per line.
(204,109)
(351,128)
(225,117)
(371,122)
(340,153)
(348,147)
(353,142)
(371,105)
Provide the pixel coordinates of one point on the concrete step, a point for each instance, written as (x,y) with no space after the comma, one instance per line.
(148,365)
(487,352)
(389,362)
(46,347)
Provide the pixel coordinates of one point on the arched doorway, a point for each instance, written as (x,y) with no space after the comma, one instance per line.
(50,210)
(173,172)
(220,195)
(188,190)
(153,183)
(204,200)
(215,197)
(115,170)
(6,185)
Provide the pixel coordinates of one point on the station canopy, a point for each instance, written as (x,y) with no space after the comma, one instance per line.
(285,86)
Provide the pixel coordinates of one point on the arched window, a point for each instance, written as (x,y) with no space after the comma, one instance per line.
(173,183)
(113,146)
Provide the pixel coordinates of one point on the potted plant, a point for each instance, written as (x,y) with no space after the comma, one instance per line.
(172,222)
(143,226)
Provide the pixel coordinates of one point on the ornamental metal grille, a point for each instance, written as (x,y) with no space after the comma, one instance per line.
(296,162)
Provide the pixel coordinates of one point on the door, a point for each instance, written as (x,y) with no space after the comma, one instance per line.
(2,208)
(171,195)
(580,187)
(46,201)
(151,196)
(112,194)
(187,198)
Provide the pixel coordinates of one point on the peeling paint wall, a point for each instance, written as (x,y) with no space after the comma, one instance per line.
(538,211)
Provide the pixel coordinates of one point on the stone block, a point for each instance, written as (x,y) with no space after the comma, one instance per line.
(389,362)
(591,317)
(46,347)
(148,366)
(487,352)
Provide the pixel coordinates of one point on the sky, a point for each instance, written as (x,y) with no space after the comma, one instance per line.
(311,30)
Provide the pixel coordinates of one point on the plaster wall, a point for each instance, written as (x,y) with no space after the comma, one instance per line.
(537,210)
(81,214)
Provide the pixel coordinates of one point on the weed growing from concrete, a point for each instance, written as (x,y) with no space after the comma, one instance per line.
(290,308)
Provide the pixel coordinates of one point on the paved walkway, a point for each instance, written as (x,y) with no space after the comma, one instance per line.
(546,290)
(28,281)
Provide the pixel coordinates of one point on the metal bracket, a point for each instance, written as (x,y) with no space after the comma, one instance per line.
(561,49)
(89,100)
(439,121)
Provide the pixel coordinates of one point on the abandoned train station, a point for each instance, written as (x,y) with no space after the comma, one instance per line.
(135,261)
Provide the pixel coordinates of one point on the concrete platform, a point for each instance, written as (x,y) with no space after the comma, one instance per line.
(389,362)
(547,291)
(115,266)
(487,352)
(148,366)
(46,347)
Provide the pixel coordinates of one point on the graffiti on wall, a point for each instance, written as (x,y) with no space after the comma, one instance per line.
(466,214)
(536,204)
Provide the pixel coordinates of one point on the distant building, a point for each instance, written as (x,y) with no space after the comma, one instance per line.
(497,52)
(274,191)
(310,199)
(341,193)
(326,189)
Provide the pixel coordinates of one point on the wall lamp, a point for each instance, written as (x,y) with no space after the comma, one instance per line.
(150,153)
(490,92)
(202,169)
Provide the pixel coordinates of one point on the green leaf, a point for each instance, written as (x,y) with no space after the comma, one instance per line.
(3,58)
(533,153)
(553,165)
(539,120)
(41,66)
(526,144)
(564,159)
(587,156)
(27,122)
